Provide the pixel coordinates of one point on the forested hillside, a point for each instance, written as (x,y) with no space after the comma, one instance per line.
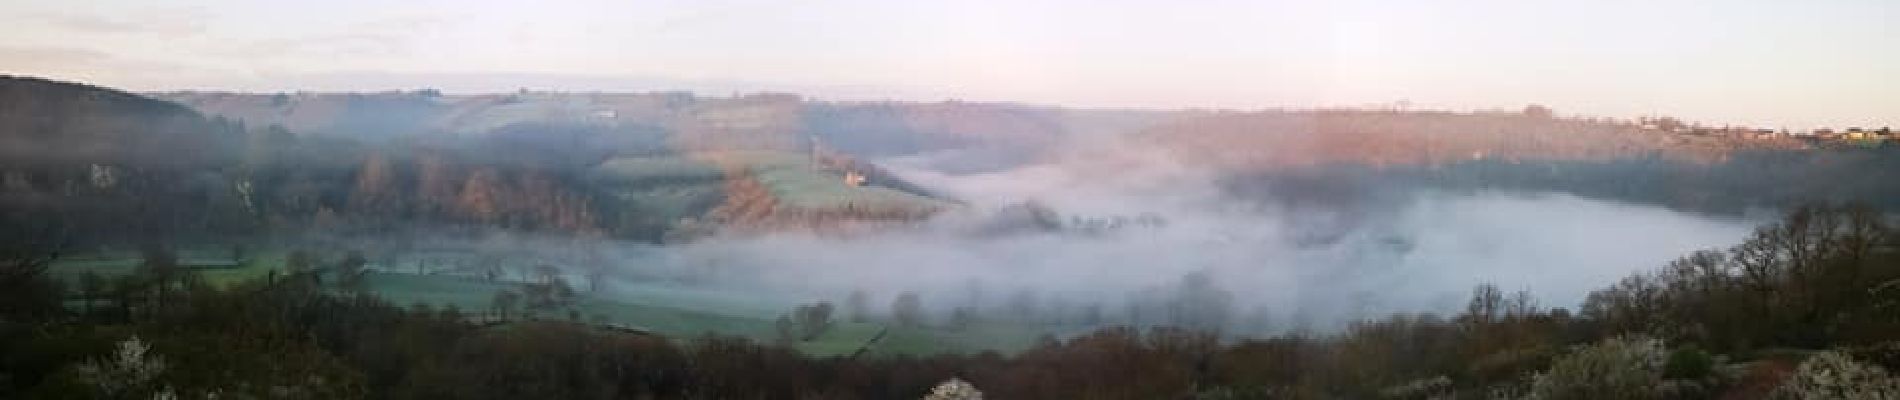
(111,165)
(100,166)
(1680,165)
(87,161)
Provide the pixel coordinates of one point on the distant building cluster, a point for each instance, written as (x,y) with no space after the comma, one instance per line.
(1850,135)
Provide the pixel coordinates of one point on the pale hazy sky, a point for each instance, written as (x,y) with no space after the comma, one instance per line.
(1775,63)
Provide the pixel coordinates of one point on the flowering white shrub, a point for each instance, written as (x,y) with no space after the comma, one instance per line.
(1833,375)
(1617,368)
(130,370)
(954,389)
(1434,387)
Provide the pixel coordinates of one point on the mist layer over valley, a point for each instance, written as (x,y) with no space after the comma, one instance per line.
(1055,219)
(1120,229)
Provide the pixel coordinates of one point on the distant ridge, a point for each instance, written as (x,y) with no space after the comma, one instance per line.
(53,121)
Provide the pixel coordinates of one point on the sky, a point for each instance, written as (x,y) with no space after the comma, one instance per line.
(1765,63)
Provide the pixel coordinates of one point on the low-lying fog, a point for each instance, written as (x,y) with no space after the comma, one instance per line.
(1282,265)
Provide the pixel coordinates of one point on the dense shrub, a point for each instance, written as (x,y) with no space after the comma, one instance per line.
(1833,375)
(1618,368)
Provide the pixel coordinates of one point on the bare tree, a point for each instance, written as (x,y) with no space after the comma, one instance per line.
(857,306)
(908,309)
(352,272)
(814,318)
(504,304)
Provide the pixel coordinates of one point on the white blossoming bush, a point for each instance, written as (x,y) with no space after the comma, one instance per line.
(128,372)
(1617,368)
(1432,388)
(954,389)
(1833,375)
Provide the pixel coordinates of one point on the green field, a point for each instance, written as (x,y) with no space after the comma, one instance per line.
(912,342)
(722,302)
(841,339)
(654,193)
(666,203)
(795,182)
(651,196)
(915,341)
(882,340)
(685,313)
(476,296)
(671,310)
(119,263)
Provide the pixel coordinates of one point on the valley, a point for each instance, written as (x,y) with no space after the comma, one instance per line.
(879,232)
